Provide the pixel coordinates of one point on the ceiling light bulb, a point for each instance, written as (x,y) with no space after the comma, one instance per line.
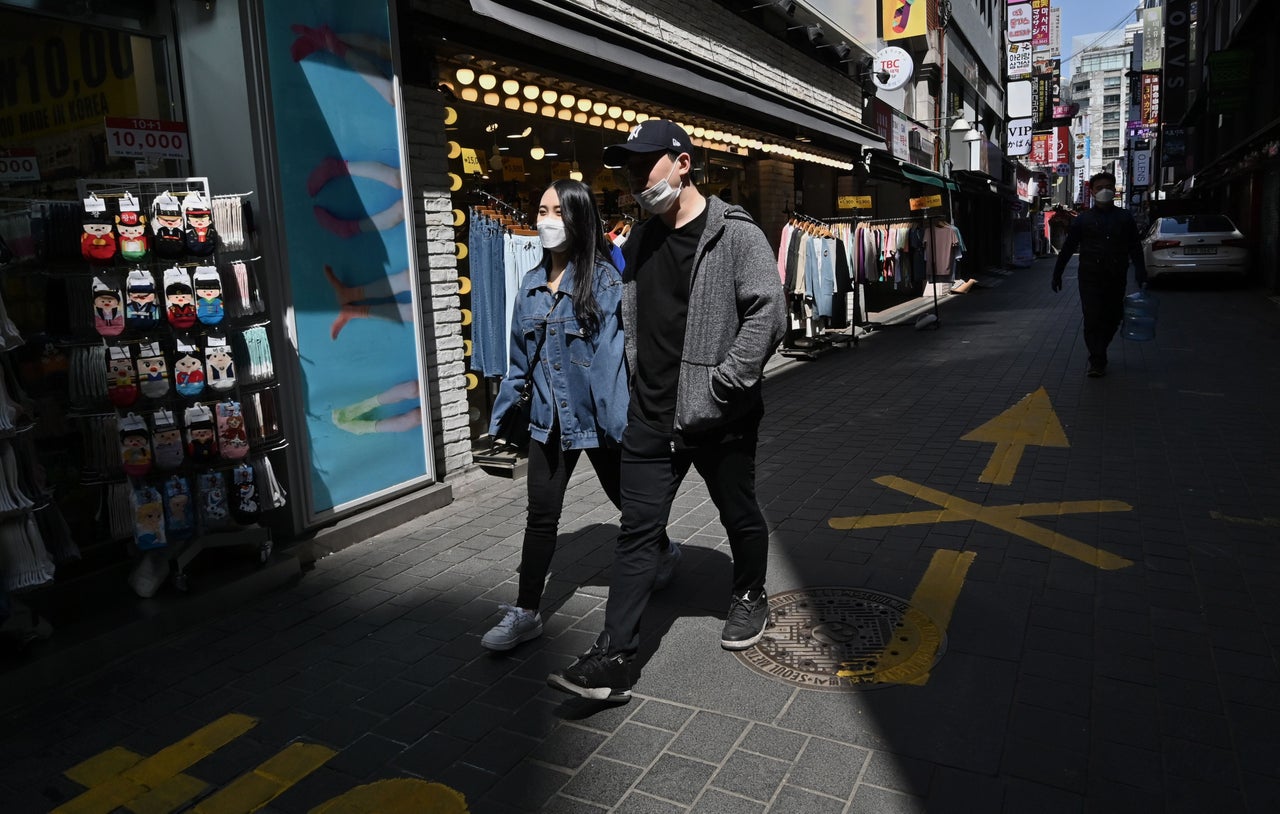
(584,105)
(599,108)
(549,111)
(510,87)
(580,117)
(595,121)
(614,111)
(642,117)
(469,94)
(628,115)
(465,76)
(531,92)
(529,107)
(536,152)
(488,81)
(564,115)
(567,99)
(549,96)
(511,103)
(492,99)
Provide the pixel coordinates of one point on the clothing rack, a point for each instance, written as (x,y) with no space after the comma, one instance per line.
(815,343)
(931,275)
(498,203)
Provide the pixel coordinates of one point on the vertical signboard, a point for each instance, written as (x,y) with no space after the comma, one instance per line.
(1055,31)
(349,248)
(1039,22)
(1040,148)
(1018,60)
(1151,38)
(1141,169)
(1177,52)
(1150,99)
(1020,22)
(900,19)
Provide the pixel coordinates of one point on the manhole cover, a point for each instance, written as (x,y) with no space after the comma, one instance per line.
(845,639)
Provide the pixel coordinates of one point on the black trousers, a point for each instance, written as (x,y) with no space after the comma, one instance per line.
(1102,302)
(550,468)
(651,475)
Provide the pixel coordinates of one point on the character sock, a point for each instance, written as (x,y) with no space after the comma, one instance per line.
(153,371)
(142,311)
(108,315)
(202,441)
(211,497)
(122,380)
(148,519)
(178,298)
(188,370)
(135,445)
(233,442)
(167,225)
(131,227)
(219,366)
(244,498)
(200,236)
(208,287)
(98,236)
(166,440)
(179,514)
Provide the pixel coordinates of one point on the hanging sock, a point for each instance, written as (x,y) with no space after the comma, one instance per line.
(233,442)
(166,440)
(108,317)
(148,519)
(244,499)
(218,364)
(188,370)
(178,298)
(202,444)
(143,310)
(271,493)
(167,225)
(135,445)
(153,371)
(180,521)
(98,239)
(208,287)
(122,380)
(131,226)
(200,236)
(211,495)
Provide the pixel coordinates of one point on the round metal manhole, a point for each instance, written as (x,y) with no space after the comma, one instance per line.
(845,639)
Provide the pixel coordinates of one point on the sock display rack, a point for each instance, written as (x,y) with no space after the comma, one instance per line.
(148,359)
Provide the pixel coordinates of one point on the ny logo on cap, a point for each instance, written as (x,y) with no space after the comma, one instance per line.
(634,132)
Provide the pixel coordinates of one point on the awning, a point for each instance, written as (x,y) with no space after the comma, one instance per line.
(882,161)
(592,35)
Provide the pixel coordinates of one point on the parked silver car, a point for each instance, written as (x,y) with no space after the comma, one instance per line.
(1209,244)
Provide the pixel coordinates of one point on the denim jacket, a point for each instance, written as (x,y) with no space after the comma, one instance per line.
(581,381)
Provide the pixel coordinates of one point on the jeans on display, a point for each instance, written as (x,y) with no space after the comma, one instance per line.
(488,298)
(822,274)
(651,476)
(520,254)
(550,468)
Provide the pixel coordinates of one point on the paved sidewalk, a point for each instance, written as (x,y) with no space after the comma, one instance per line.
(1136,674)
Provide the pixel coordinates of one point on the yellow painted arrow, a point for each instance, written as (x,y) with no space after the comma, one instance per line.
(1030,422)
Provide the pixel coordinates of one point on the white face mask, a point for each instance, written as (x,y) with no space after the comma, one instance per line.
(661,196)
(551,232)
(1104,196)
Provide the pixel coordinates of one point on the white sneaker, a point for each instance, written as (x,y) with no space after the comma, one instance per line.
(667,563)
(517,625)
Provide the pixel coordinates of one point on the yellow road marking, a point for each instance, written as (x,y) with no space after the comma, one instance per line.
(168,795)
(103,766)
(936,597)
(1030,422)
(1265,522)
(399,796)
(252,790)
(137,780)
(1006,518)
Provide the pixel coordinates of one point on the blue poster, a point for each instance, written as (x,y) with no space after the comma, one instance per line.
(348,241)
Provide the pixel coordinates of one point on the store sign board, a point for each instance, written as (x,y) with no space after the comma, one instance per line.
(1039,148)
(1177,53)
(1059,145)
(926,202)
(1018,58)
(361,409)
(1141,169)
(1020,24)
(1152,37)
(1055,31)
(899,20)
(1039,22)
(1018,99)
(1150,99)
(513,168)
(895,62)
(471,162)
(146,138)
(1019,137)
(854,202)
(19,165)
(901,142)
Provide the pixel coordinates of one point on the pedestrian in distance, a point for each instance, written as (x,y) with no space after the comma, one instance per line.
(703,310)
(567,326)
(1107,239)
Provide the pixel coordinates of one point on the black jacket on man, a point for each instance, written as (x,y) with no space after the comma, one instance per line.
(1107,239)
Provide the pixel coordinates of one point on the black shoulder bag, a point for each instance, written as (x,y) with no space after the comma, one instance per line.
(513,427)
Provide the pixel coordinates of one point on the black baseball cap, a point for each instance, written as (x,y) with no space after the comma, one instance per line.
(652,136)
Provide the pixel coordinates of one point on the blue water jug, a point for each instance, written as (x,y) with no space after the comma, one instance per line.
(1140,316)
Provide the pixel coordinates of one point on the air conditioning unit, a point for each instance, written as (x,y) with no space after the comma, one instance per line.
(914,141)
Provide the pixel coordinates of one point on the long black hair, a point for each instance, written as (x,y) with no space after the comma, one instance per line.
(587,246)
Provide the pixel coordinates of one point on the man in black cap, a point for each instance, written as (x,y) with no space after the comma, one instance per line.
(702,310)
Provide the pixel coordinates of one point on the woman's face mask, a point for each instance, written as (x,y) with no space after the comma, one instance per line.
(661,196)
(551,232)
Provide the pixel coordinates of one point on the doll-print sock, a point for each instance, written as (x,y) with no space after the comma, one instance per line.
(202,441)
(167,226)
(131,229)
(179,300)
(135,445)
(166,440)
(208,288)
(153,371)
(142,310)
(108,310)
(211,498)
(233,440)
(245,503)
(188,369)
(148,518)
(122,381)
(220,369)
(179,514)
(200,237)
(98,234)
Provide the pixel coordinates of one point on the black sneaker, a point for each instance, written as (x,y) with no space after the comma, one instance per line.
(596,675)
(746,622)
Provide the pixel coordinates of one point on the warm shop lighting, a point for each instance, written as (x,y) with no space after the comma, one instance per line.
(529,107)
(469,95)
(615,112)
(595,121)
(580,117)
(492,99)
(584,105)
(465,76)
(567,100)
(488,81)
(599,108)
(628,115)
(549,96)
(510,87)
(531,92)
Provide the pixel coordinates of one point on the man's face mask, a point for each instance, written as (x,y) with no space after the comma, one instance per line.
(1104,196)
(661,196)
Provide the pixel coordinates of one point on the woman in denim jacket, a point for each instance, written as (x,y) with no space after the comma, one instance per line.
(579,386)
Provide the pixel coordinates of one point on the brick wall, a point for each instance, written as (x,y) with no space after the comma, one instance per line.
(445,390)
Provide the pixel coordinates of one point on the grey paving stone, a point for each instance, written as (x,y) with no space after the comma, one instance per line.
(708,736)
(793,799)
(537,718)
(899,773)
(344,726)
(828,767)
(366,757)
(751,775)
(873,800)
(602,781)
(450,695)
(714,801)
(410,724)
(773,742)
(474,721)
(1023,795)
(434,751)
(569,746)
(676,778)
(564,805)
(640,803)
(636,744)
(499,753)
(662,715)
(472,782)
(528,786)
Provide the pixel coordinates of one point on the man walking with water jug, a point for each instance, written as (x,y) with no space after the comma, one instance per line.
(1107,239)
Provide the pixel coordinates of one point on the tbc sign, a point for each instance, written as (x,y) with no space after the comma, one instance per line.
(895,62)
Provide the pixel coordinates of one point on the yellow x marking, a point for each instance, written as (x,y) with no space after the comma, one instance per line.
(1006,518)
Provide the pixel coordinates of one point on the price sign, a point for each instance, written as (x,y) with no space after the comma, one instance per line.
(926,202)
(19,165)
(470,162)
(854,202)
(146,138)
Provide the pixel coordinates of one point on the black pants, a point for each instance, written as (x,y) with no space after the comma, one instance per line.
(651,475)
(1102,301)
(549,471)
